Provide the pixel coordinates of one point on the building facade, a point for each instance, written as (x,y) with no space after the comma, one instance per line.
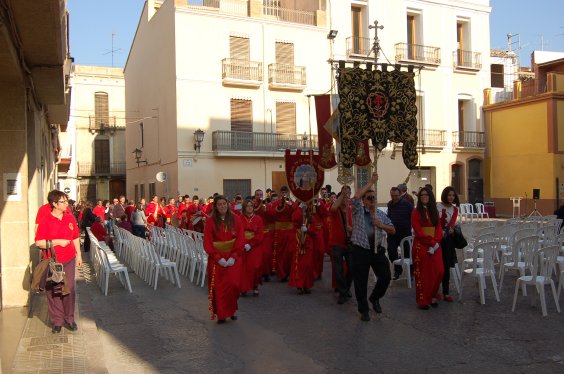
(34,109)
(94,149)
(526,142)
(243,72)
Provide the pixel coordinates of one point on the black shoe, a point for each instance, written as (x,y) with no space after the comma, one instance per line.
(266,278)
(300,291)
(342,299)
(234,318)
(423,307)
(435,304)
(285,279)
(243,294)
(349,294)
(71,326)
(220,321)
(307,291)
(376,305)
(56,330)
(365,317)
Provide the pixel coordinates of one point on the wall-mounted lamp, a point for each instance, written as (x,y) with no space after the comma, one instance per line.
(198,139)
(332,34)
(137,153)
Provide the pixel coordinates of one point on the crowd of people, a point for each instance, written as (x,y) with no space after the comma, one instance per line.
(249,240)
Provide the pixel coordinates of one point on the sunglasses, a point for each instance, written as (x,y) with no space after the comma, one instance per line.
(372,197)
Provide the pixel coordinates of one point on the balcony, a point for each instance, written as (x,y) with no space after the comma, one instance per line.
(432,138)
(467,60)
(359,48)
(288,15)
(241,73)
(236,7)
(418,53)
(468,139)
(88,169)
(102,124)
(286,77)
(263,142)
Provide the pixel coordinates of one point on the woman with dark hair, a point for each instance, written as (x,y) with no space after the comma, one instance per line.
(139,221)
(252,257)
(62,231)
(448,214)
(224,240)
(427,254)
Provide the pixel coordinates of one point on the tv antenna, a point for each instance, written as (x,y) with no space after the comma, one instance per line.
(112,51)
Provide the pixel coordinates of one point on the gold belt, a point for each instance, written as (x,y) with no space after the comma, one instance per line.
(224,246)
(249,235)
(283,225)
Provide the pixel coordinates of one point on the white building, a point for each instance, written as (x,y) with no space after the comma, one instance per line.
(241,71)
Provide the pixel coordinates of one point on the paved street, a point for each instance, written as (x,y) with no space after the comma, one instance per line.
(169,331)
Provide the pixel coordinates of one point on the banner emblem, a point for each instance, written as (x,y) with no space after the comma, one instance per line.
(304,174)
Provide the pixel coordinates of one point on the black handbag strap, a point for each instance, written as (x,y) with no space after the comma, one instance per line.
(51,248)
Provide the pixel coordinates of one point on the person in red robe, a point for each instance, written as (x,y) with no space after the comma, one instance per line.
(154,212)
(237,205)
(195,215)
(260,208)
(170,211)
(100,210)
(427,253)
(284,233)
(306,233)
(224,241)
(129,209)
(319,220)
(253,255)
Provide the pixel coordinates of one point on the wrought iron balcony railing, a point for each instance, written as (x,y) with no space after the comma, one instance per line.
(359,47)
(102,124)
(239,141)
(468,139)
(287,74)
(467,59)
(420,53)
(289,15)
(87,169)
(241,69)
(432,138)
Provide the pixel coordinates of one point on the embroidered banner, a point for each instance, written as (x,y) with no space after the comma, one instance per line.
(304,174)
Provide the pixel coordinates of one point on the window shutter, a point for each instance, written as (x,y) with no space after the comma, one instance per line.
(239,48)
(284,53)
(101,109)
(241,115)
(285,118)
(102,155)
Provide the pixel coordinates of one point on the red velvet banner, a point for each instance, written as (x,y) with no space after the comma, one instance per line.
(304,174)
(326,149)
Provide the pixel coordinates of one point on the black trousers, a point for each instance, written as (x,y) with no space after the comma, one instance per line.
(340,256)
(393,244)
(362,260)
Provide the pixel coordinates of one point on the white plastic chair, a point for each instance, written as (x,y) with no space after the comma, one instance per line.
(487,269)
(542,263)
(111,268)
(403,261)
(521,253)
(481,211)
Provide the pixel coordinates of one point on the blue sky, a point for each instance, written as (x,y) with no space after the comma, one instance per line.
(92,23)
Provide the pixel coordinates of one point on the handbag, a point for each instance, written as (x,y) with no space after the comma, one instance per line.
(459,240)
(56,272)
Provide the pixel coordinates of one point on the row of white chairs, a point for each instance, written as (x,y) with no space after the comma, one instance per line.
(105,262)
(467,213)
(142,256)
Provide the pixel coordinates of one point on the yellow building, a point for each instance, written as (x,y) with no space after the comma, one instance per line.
(525,143)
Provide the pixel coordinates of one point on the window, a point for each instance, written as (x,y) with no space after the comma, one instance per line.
(461,115)
(358,46)
(142,191)
(463,55)
(362,176)
(101,109)
(136,189)
(475,182)
(152,190)
(87,190)
(102,155)
(414,52)
(232,187)
(420,112)
(241,125)
(456,178)
(285,118)
(475,168)
(239,48)
(497,75)
(284,53)
(142,134)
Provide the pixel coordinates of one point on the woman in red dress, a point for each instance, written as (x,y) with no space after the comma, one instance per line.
(252,258)
(224,239)
(427,254)
(302,266)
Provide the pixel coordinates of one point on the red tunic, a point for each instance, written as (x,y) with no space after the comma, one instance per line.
(99,231)
(150,213)
(302,275)
(129,210)
(252,260)
(169,212)
(99,211)
(320,243)
(65,228)
(262,211)
(428,267)
(284,236)
(224,282)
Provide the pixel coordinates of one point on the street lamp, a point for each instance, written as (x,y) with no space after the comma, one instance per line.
(198,139)
(332,34)
(137,153)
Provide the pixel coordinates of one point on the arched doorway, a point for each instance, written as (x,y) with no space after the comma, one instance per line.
(475,181)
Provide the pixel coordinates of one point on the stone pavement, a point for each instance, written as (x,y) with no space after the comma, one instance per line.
(169,331)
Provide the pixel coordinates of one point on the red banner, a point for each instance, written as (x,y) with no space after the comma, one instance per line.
(362,154)
(304,174)
(326,149)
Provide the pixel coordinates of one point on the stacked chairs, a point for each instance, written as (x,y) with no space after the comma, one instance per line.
(105,263)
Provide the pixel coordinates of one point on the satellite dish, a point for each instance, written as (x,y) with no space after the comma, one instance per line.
(161,176)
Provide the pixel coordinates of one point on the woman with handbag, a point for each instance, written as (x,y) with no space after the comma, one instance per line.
(61,230)
(448,215)
(427,254)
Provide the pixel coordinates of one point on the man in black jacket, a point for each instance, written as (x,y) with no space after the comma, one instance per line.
(399,212)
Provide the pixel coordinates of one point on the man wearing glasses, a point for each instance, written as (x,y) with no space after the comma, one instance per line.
(367,237)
